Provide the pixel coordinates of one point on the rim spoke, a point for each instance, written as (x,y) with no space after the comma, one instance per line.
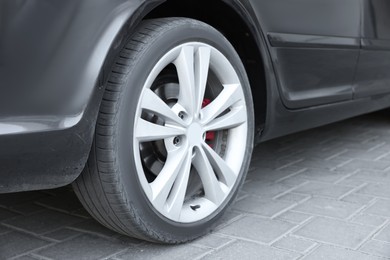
(162,185)
(235,117)
(186,73)
(229,96)
(178,192)
(212,187)
(202,64)
(147,131)
(153,103)
(223,170)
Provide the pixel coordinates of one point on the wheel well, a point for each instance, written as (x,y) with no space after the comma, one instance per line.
(233,27)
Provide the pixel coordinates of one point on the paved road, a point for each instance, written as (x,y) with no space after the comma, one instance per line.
(320,194)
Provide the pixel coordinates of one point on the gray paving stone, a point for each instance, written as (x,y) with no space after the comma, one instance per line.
(294,244)
(323,189)
(15,243)
(379,190)
(212,241)
(27,208)
(377,248)
(358,198)
(366,164)
(249,251)
(12,199)
(26,257)
(257,229)
(372,176)
(263,207)
(82,247)
(335,253)
(266,190)
(335,232)
(94,227)
(294,197)
(62,234)
(380,208)
(322,175)
(6,214)
(294,217)
(369,220)
(328,207)
(43,222)
(384,235)
(160,252)
(3,229)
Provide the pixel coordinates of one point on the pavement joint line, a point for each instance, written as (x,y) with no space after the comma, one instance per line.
(347,176)
(39,236)
(290,190)
(371,235)
(352,191)
(335,155)
(40,257)
(229,222)
(386,169)
(381,156)
(361,209)
(291,175)
(315,244)
(284,210)
(115,254)
(215,249)
(376,146)
(290,164)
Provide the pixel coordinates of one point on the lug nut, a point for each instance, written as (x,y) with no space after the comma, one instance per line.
(176,141)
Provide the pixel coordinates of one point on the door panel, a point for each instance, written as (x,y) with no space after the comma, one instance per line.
(314,45)
(373,73)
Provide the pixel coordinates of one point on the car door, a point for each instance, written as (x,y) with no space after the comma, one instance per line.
(314,45)
(373,73)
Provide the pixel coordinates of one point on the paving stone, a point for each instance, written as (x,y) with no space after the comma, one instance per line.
(6,214)
(322,175)
(366,164)
(263,207)
(379,190)
(294,244)
(161,252)
(15,243)
(257,229)
(248,251)
(212,241)
(62,234)
(83,247)
(369,220)
(384,235)
(380,208)
(294,197)
(27,208)
(358,198)
(328,207)
(377,248)
(92,226)
(27,257)
(65,201)
(43,222)
(335,253)
(266,190)
(335,232)
(12,199)
(294,217)
(3,229)
(323,189)
(372,176)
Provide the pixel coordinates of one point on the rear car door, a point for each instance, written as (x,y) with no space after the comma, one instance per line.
(314,45)
(373,73)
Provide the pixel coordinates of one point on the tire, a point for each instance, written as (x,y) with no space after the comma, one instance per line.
(174,134)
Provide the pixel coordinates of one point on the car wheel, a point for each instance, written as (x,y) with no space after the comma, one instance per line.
(174,134)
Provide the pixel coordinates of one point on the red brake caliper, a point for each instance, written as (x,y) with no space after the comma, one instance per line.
(210,136)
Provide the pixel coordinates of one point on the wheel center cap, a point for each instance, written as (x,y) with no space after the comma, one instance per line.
(195,134)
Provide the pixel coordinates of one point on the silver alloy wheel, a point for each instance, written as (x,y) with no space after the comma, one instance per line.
(176,130)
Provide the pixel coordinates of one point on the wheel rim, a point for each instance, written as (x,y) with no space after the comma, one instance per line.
(190,132)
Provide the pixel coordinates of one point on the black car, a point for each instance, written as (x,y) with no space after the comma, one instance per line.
(151,108)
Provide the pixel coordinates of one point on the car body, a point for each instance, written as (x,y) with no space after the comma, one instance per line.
(309,63)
